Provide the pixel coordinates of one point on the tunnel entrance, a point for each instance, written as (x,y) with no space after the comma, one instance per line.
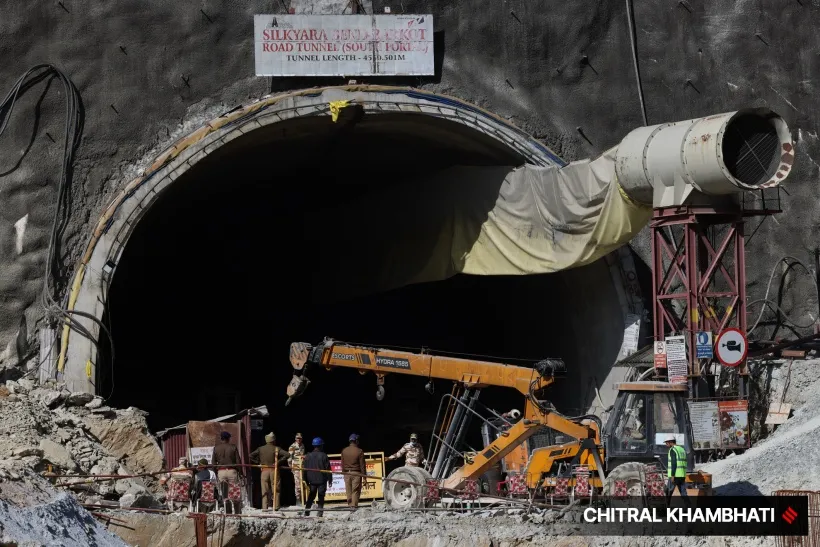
(216,282)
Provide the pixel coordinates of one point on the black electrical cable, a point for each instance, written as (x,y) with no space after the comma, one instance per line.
(55,312)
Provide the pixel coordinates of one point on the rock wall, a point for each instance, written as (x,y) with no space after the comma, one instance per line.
(150,70)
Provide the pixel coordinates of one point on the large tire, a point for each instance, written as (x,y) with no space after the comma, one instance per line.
(632,473)
(401,496)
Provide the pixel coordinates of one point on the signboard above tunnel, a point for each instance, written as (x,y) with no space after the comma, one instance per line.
(344,45)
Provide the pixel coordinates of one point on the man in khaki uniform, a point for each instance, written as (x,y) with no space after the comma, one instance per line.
(296,455)
(353,462)
(270,456)
(225,456)
(413,453)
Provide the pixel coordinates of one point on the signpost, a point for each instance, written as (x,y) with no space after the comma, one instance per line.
(676,360)
(731,347)
(344,45)
(704,345)
(660,354)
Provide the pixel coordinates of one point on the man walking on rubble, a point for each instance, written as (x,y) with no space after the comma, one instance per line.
(412,451)
(318,476)
(296,454)
(225,457)
(353,462)
(270,457)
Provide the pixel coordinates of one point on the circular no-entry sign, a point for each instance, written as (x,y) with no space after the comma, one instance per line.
(731,347)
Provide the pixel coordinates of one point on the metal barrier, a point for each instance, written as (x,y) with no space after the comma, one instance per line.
(813,538)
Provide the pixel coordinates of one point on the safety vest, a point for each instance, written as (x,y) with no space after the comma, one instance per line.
(680,454)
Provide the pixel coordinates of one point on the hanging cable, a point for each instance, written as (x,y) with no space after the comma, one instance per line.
(55,312)
(633,41)
(774,305)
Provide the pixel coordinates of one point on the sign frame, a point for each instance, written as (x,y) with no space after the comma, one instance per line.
(745,347)
(375,465)
(305,45)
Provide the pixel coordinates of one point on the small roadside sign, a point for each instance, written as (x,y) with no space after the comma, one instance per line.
(677,364)
(660,354)
(731,347)
(703,345)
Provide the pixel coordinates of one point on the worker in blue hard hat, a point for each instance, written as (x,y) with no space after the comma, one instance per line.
(316,473)
(354,469)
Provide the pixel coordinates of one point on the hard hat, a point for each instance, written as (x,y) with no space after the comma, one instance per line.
(353,437)
(225,435)
(270,437)
(298,435)
(671,440)
(317,441)
(414,437)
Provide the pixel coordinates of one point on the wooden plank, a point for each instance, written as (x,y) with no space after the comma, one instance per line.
(778,413)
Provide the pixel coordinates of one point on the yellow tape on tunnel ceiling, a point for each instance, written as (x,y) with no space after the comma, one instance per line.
(336,108)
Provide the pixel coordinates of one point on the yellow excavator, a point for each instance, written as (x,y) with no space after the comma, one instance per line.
(644,415)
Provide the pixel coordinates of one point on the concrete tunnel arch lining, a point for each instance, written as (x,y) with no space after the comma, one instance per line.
(95,271)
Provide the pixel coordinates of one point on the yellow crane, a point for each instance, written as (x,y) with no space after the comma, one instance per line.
(630,443)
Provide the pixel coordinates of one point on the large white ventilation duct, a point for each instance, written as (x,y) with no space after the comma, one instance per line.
(534,220)
(663,165)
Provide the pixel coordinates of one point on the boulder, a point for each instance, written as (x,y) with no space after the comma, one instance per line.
(127,439)
(52,399)
(96,402)
(137,496)
(78,398)
(58,455)
(26,384)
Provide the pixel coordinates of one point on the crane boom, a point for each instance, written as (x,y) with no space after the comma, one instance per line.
(471,373)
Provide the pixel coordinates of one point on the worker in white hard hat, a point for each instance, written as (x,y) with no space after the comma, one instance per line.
(412,451)
(676,470)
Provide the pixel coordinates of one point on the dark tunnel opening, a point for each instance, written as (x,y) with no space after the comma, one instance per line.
(215,283)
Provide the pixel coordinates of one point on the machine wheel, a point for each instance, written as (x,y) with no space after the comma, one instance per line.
(631,472)
(401,496)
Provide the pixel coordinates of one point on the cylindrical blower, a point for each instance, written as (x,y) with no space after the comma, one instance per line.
(716,155)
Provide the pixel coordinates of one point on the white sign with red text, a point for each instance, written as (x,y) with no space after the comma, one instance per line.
(344,45)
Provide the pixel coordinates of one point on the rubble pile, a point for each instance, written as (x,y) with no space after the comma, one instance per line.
(46,429)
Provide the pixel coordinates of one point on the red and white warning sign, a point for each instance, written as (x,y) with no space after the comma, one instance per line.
(731,347)
(660,354)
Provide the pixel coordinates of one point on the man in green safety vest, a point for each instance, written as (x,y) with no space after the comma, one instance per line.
(676,469)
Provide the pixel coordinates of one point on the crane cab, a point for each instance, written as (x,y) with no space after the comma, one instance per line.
(644,415)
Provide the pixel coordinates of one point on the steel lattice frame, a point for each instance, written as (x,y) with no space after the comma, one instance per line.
(698,279)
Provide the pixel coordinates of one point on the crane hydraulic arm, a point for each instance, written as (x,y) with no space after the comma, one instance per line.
(471,373)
